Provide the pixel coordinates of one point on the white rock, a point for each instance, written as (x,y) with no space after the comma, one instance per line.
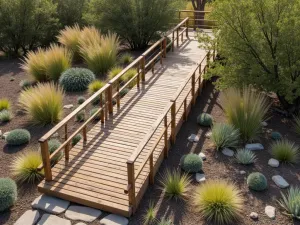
(5,135)
(80,223)
(270,211)
(200,177)
(55,135)
(254,147)
(264,123)
(242,172)
(70,106)
(50,204)
(228,152)
(82,213)
(202,156)
(30,217)
(193,138)
(254,215)
(273,163)
(48,219)
(280,181)
(113,219)
(0,133)
(208,135)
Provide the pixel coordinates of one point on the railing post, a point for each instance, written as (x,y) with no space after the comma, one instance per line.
(118,95)
(185,110)
(187,28)
(193,88)
(177,37)
(84,132)
(143,63)
(67,147)
(200,80)
(207,60)
(46,160)
(195,20)
(131,185)
(151,174)
(101,106)
(161,52)
(109,99)
(166,149)
(173,122)
(179,15)
(173,40)
(165,47)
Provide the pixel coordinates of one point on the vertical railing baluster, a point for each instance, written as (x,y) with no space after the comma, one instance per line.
(187,28)
(193,89)
(165,47)
(185,110)
(67,147)
(143,62)
(101,106)
(177,35)
(173,122)
(166,149)
(46,160)
(131,185)
(118,95)
(84,133)
(138,76)
(151,174)
(109,99)
(173,40)
(200,80)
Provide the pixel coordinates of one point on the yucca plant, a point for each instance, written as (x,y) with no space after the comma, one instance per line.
(150,215)
(57,60)
(297,125)
(225,136)
(34,65)
(95,86)
(245,109)
(25,167)
(291,202)
(245,157)
(4,104)
(285,151)
(218,201)
(90,36)
(43,103)
(70,38)
(175,185)
(114,72)
(101,57)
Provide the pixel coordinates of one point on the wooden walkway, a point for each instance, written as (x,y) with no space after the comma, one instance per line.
(97,173)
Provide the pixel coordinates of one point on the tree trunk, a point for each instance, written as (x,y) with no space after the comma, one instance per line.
(199,5)
(291,108)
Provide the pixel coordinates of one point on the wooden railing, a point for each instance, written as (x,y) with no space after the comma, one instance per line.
(107,96)
(165,123)
(197,18)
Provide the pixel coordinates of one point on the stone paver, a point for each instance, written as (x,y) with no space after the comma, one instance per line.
(113,219)
(48,219)
(82,213)
(200,177)
(242,172)
(50,204)
(273,163)
(193,138)
(30,217)
(70,106)
(280,181)
(270,211)
(228,152)
(254,147)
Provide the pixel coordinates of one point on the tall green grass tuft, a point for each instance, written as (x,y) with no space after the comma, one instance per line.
(95,86)
(218,201)
(225,136)
(4,104)
(114,72)
(34,65)
(285,151)
(175,185)
(126,58)
(58,60)
(101,57)
(43,103)
(25,167)
(90,36)
(150,215)
(291,202)
(245,109)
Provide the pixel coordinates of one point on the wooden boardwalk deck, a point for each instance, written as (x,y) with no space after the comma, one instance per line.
(96,173)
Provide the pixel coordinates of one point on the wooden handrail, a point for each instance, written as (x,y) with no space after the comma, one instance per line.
(197,11)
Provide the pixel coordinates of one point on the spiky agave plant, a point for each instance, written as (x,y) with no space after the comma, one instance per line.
(285,151)
(291,202)
(25,167)
(245,157)
(218,201)
(245,109)
(43,103)
(225,136)
(175,185)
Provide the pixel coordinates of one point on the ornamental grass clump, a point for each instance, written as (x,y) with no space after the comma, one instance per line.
(57,60)
(126,58)
(101,57)
(95,86)
(89,37)
(114,72)
(150,215)
(43,103)
(225,136)
(18,137)
(76,139)
(25,167)
(245,157)
(54,144)
(81,100)
(174,185)
(218,201)
(93,112)
(4,104)
(5,116)
(257,181)
(129,75)
(291,202)
(76,79)
(191,163)
(285,151)
(245,109)
(8,193)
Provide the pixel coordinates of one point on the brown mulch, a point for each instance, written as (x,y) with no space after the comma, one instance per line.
(219,167)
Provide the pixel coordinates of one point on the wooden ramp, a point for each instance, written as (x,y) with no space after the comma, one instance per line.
(112,168)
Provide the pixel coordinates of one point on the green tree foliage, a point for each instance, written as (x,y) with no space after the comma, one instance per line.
(70,12)
(259,43)
(26,25)
(135,21)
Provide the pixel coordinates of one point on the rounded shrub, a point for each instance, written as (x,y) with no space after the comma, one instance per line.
(285,151)
(191,163)
(205,119)
(8,193)
(126,58)
(80,117)
(218,201)
(5,116)
(25,167)
(257,181)
(81,100)
(276,136)
(4,104)
(18,137)
(124,92)
(76,139)
(54,144)
(93,111)
(76,79)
